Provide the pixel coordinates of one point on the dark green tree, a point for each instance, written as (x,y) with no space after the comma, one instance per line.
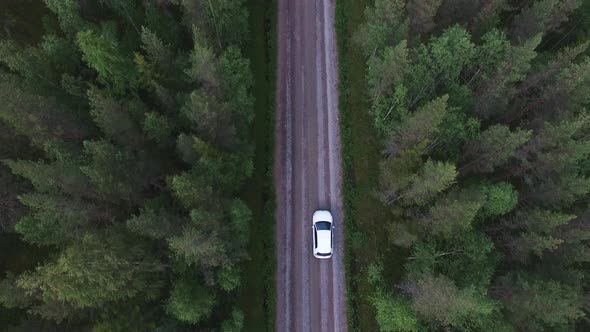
(535,305)
(421,15)
(542,16)
(492,148)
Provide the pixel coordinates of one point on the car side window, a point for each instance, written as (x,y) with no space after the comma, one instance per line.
(315,237)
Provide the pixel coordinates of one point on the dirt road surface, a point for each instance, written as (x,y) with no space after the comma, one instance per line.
(310,292)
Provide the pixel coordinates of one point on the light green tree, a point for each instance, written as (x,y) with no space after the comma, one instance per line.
(535,304)
(454,213)
(115,68)
(434,178)
(438,300)
(190,302)
(386,26)
(417,128)
(394,314)
(68,14)
(95,271)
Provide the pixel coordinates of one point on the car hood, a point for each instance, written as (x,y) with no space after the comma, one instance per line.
(324,238)
(322,215)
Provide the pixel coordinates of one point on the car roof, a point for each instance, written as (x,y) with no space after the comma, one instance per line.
(324,238)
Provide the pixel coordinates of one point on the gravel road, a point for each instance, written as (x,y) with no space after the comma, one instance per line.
(308,175)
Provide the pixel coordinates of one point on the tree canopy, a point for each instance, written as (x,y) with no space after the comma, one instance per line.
(132,123)
(480,109)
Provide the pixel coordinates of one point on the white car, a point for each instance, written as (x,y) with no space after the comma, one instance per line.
(323,235)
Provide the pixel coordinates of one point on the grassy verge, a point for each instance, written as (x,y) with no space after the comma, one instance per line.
(256,298)
(364,234)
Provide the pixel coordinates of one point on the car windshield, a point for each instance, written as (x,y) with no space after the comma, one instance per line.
(322,226)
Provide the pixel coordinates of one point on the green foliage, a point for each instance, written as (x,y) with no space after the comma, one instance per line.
(210,243)
(493,147)
(386,25)
(124,319)
(61,54)
(500,199)
(434,178)
(375,273)
(57,219)
(542,16)
(571,88)
(501,91)
(438,300)
(394,314)
(396,173)
(190,190)
(400,234)
(537,231)
(203,62)
(229,278)
(453,214)
(103,53)
(58,124)
(387,69)
(53,177)
(235,323)
(421,15)
(103,96)
(512,68)
(236,85)
(473,264)
(541,305)
(154,224)
(418,128)
(68,14)
(229,19)
(493,49)
(189,301)
(113,119)
(157,127)
(240,216)
(154,47)
(111,170)
(94,272)
(197,246)
(12,296)
(468,260)
(449,54)
(225,21)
